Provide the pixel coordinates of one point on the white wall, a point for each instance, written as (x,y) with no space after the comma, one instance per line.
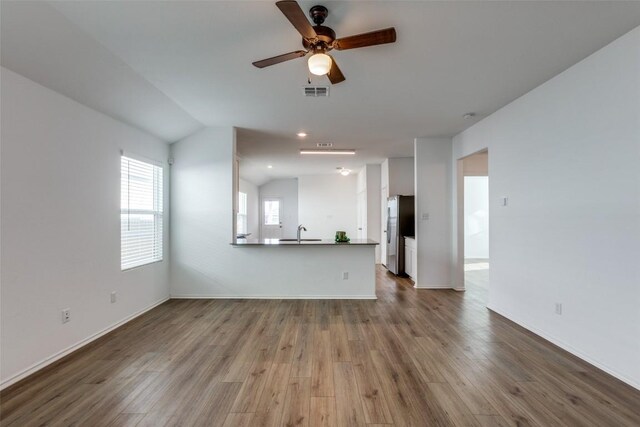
(253,206)
(361,180)
(401,176)
(476,217)
(60,175)
(566,155)
(287,189)
(205,264)
(433,213)
(326,204)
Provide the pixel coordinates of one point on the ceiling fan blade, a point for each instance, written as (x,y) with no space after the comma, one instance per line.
(280,58)
(388,35)
(334,74)
(296,16)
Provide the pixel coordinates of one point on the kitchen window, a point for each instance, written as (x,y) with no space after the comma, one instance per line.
(141,213)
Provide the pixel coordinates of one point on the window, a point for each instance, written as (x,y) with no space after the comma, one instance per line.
(242,213)
(271,212)
(140,213)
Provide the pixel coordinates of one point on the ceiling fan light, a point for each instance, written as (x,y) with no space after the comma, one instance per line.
(319,64)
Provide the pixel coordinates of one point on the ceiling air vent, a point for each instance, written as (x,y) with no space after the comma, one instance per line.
(316,91)
(324,145)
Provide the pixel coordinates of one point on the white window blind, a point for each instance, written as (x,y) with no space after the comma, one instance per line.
(242,213)
(140,213)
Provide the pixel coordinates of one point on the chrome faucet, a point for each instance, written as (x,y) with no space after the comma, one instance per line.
(300,228)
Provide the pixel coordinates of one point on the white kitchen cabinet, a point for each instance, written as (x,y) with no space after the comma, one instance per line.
(410,256)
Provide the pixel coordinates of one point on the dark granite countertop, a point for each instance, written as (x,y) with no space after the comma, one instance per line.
(303,242)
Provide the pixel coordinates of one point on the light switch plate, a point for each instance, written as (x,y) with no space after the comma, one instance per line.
(559,308)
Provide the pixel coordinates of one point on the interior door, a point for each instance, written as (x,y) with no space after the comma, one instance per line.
(362,215)
(271,224)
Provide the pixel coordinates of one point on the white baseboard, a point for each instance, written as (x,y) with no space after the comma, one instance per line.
(432,287)
(567,347)
(49,360)
(367,297)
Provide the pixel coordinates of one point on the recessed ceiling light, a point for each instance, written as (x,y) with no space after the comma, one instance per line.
(270,166)
(302,134)
(310,151)
(344,172)
(469,115)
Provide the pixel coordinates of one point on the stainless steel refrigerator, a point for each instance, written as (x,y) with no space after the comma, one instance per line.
(400,223)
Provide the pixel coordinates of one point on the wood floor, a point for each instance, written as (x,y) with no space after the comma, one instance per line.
(411,358)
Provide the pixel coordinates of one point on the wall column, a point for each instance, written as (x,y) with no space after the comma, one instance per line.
(433,198)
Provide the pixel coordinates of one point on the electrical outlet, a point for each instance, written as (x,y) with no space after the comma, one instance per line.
(66,315)
(505,201)
(113,297)
(558,308)
(425,217)
(345,275)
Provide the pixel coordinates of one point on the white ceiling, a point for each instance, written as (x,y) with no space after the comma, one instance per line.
(172,67)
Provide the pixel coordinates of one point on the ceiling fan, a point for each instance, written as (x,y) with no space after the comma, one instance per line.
(318,40)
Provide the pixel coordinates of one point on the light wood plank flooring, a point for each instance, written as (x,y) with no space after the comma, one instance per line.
(411,358)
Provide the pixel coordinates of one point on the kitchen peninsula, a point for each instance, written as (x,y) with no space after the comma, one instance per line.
(313,268)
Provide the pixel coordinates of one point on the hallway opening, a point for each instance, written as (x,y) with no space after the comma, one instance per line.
(473,219)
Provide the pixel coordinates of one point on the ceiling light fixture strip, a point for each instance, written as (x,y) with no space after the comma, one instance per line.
(317,151)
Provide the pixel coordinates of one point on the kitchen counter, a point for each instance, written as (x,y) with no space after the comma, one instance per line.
(323,269)
(303,242)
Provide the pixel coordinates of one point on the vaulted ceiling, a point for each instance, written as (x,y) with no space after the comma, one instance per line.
(172,67)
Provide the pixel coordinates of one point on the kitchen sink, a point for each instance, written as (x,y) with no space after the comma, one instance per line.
(302,240)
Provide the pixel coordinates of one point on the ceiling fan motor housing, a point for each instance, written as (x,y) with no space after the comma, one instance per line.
(326,36)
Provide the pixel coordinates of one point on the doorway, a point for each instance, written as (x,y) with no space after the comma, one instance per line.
(476,230)
(362,215)
(271,218)
(473,222)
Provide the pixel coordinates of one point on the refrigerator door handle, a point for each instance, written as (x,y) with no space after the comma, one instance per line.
(388,225)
